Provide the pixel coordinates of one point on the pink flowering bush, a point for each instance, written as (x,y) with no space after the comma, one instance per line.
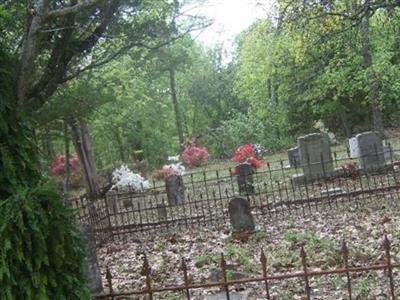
(58,166)
(194,156)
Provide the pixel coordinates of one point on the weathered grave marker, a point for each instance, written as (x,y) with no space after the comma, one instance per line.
(91,264)
(161,212)
(245,178)
(240,215)
(371,156)
(175,190)
(353,147)
(294,157)
(316,156)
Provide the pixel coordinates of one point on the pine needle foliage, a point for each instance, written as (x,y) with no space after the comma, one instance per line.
(40,248)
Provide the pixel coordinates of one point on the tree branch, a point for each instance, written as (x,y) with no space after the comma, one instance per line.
(71,9)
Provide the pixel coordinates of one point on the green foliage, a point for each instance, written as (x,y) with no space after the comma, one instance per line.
(40,249)
(242,129)
(207,259)
(17,151)
(41,252)
(241,256)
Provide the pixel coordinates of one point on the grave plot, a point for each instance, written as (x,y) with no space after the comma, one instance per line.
(168,239)
(321,235)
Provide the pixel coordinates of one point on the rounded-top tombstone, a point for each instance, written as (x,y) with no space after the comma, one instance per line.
(240,215)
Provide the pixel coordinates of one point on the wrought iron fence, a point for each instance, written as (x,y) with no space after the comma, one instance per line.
(266,279)
(274,192)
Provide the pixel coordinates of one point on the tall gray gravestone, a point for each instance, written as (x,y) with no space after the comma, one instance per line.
(316,156)
(370,151)
(240,215)
(175,190)
(91,264)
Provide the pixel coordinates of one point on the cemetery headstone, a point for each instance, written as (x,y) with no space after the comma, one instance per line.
(353,147)
(388,153)
(161,212)
(371,156)
(316,156)
(245,178)
(91,263)
(294,157)
(240,215)
(175,190)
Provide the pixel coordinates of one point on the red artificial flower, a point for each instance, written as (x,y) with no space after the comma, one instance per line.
(247,154)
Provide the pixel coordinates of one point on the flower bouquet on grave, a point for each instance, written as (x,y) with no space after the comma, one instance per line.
(125,180)
(248,161)
(169,170)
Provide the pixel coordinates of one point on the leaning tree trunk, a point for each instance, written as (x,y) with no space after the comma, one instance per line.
(373,92)
(83,146)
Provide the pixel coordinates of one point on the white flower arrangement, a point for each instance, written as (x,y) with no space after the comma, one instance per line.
(124,179)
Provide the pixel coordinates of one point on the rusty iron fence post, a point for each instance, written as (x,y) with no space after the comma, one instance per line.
(185,278)
(345,254)
(147,273)
(225,276)
(109,281)
(263,260)
(386,246)
(304,263)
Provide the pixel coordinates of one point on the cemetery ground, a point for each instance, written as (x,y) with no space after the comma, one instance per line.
(321,233)
(362,221)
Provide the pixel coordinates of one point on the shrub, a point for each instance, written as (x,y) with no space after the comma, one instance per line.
(58,166)
(41,251)
(194,156)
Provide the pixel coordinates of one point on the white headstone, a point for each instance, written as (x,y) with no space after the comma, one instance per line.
(353,146)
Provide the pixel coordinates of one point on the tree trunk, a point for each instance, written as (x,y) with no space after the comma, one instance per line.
(67,165)
(174,96)
(373,92)
(83,146)
(120,146)
(343,120)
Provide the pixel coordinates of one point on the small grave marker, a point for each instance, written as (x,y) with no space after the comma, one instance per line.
(175,190)
(240,215)
(161,212)
(294,157)
(245,178)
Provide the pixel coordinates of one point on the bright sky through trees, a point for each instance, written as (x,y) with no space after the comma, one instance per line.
(230,17)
